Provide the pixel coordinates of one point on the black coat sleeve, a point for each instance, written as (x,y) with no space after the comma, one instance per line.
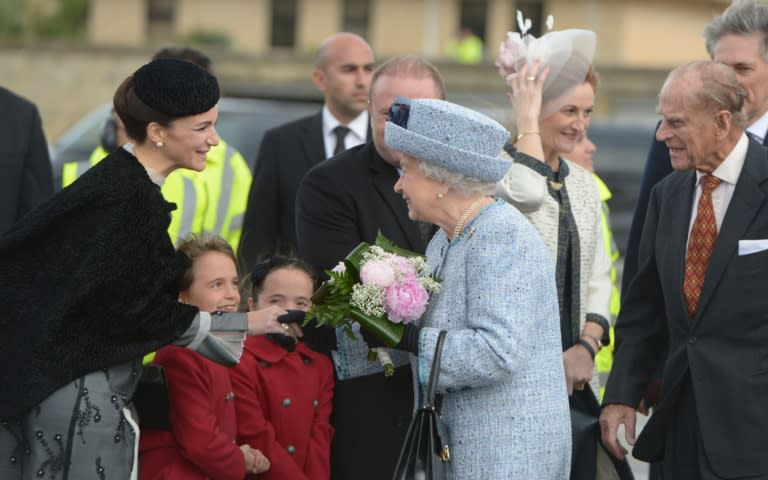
(327,223)
(327,230)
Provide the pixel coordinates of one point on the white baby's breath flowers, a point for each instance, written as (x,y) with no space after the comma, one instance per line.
(368,298)
(419,264)
(374,253)
(430,284)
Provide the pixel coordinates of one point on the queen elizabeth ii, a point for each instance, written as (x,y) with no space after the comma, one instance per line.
(504,402)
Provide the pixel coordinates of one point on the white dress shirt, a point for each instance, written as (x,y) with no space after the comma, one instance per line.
(728,172)
(358,131)
(759,128)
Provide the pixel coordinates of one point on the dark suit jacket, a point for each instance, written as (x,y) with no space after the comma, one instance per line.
(285,155)
(341,202)
(657,166)
(723,349)
(27,177)
(347,200)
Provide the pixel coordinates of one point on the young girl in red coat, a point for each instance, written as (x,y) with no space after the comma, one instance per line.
(201,444)
(283,388)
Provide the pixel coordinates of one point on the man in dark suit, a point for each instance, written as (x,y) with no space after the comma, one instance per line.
(700,290)
(738,39)
(27,178)
(343,70)
(341,202)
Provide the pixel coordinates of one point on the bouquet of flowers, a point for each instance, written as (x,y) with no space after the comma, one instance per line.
(379,286)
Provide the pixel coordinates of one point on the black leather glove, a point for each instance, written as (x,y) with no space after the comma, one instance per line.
(286,341)
(409,342)
(371,340)
(293,316)
(410,339)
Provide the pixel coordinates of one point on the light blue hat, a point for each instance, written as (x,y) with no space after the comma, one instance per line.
(449,136)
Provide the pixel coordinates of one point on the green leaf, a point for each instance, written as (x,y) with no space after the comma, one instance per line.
(389,246)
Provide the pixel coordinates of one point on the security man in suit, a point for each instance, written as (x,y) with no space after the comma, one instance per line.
(27,178)
(341,202)
(700,291)
(343,69)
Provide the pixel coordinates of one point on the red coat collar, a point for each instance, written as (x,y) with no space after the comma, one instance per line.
(267,350)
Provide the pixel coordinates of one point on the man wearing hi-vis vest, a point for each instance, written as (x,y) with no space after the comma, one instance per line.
(212,200)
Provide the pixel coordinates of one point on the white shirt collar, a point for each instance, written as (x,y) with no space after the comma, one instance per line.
(759,128)
(157,178)
(730,169)
(358,127)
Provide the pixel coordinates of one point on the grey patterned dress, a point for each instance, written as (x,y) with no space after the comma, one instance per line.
(87,429)
(505,404)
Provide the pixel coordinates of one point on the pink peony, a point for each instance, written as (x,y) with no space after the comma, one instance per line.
(403,266)
(377,272)
(406,301)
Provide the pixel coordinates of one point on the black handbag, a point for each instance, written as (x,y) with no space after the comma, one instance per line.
(151,399)
(585,435)
(424,455)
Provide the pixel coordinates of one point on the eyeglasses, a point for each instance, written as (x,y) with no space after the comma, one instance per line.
(399,112)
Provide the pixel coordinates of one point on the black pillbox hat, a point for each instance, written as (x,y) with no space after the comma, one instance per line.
(176,87)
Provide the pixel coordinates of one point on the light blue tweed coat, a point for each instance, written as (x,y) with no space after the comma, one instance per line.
(505,403)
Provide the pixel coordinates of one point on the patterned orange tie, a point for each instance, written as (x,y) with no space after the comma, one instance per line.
(700,244)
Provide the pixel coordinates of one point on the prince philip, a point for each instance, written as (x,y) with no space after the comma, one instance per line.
(700,290)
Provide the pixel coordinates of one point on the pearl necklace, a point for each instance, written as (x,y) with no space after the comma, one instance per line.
(464,216)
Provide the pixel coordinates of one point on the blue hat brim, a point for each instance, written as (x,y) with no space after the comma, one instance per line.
(475,165)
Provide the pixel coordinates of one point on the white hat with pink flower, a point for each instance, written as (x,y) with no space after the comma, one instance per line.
(567,53)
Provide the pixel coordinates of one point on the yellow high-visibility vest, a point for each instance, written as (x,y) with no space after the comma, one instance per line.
(604,358)
(213,200)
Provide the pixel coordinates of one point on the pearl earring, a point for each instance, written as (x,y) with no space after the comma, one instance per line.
(159,144)
(440,195)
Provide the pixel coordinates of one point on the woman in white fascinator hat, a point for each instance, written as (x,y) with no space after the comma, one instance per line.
(553,85)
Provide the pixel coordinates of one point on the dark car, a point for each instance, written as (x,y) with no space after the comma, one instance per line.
(242,122)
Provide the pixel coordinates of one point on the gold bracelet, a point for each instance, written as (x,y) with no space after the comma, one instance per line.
(527,132)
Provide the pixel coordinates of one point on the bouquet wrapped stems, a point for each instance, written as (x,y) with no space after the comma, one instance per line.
(388,332)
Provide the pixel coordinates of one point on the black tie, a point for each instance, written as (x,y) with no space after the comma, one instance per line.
(341,132)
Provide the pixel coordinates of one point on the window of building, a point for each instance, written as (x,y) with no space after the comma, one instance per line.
(160,20)
(283,23)
(356,15)
(472,15)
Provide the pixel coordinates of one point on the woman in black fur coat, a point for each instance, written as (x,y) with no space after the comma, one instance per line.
(71,361)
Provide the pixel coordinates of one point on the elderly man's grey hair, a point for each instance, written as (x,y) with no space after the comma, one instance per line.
(715,88)
(462,184)
(743,17)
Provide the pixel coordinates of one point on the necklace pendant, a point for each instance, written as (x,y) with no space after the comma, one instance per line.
(556,185)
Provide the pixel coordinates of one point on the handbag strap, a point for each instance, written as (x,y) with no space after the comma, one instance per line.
(434,373)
